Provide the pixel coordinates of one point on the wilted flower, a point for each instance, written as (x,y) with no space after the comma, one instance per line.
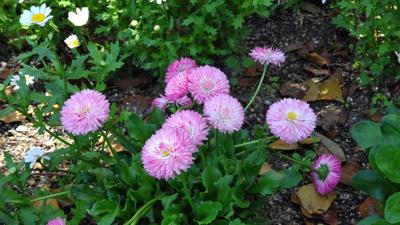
(84,112)
(14,81)
(36,15)
(326,173)
(56,221)
(206,82)
(291,119)
(168,153)
(34,154)
(224,113)
(192,122)
(72,41)
(267,56)
(160,102)
(179,66)
(79,17)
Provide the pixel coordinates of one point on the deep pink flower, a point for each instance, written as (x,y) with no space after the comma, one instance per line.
(168,153)
(56,221)
(206,82)
(177,87)
(326,173)
(192,122)
(160,102)
(224,113)
(266,55)
(179,66)
(84,112)
(291,120)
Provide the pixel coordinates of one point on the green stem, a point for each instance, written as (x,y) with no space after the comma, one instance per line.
(186,191)
(247,143)
(292,159)
(138,215)
(107,140)
(50,196)
(258,88)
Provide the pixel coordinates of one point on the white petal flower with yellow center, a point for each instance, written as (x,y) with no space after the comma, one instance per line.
(72,41)
(79,17)
(34,154)
(36,15)
(14,81)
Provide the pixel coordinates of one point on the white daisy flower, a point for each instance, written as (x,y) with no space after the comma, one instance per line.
(14,81)
(33,154)
(36,15)
(72,41)
(159,1)
(79,17)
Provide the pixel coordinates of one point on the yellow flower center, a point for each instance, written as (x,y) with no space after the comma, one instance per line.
(38,17)
(75,43)
(165,154)
(291,116)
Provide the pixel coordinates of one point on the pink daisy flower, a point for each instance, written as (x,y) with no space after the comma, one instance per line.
(184,101)
(192,122)
(160,102)
(168,153)
(56,221)
(224,113)
(177,87)
(267,56)
(206,82)
(291,120)
(179,66)
(84,112)
(326,173)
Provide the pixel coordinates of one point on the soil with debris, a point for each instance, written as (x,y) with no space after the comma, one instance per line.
(298,33)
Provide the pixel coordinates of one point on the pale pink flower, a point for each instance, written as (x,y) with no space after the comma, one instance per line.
(184,101)
(177,87)
(84,112)
(168,153)
(192,122)
(56,221)
(291,120)
(179,66)
(206,82)
(326,173)
(160,102)
(224,113)
(267,56)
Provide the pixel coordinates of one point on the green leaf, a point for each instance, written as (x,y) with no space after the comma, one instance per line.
(292,177)
(370,220)
(373,184)
(236,222)
(138,129)
(103,206)
(157,117)
(366,133)
(392,208)
(387,158)
(390,128)
(206,212)
(268,183)
(210,175)
(166,201)
(28,216)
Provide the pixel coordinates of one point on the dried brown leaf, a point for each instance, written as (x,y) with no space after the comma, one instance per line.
(281,145)
(330,90)
(312,91)
(312,202)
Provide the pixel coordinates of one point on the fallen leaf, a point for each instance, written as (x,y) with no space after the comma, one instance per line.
(349,170)
(331,146)
(281,145)
(331,216)
(311,8)
(330,90)
(316,71)
(317,58)
(330,116)
(292,89)
(370,207)
(247,81)
(264,168)
(12,117)
(6,71)
(312,202)
(50,201)
(312,91)
(294,46)
(310,140)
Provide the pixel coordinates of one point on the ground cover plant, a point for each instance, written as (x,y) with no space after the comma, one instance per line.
(194,156)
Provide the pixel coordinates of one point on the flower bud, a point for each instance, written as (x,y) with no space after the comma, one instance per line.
(157,27)
(134,23)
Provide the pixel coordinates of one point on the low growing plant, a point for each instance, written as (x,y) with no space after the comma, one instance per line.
(382,180)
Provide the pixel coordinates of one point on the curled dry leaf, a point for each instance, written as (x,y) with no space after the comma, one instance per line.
(330,90)
(310,140)
(316,71)
(281,145)
(312,91)
(312,202)
(349,170)
(331,146)
(317,58)
(292,89)
(12,117)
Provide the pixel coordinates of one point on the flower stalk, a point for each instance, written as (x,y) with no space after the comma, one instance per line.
(258,88)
